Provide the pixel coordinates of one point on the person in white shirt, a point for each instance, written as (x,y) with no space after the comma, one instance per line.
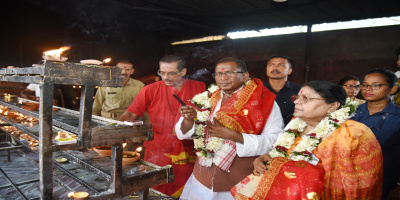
(32,91)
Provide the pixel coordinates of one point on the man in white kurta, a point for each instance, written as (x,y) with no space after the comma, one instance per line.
(230,76)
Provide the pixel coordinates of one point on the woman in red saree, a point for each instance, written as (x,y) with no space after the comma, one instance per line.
(320,154)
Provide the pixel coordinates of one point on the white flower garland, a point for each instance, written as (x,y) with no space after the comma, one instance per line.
(303,151)
(203,102)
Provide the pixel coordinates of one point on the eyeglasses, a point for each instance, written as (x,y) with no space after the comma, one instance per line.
(303,99)
(375,86)
(161,73)
(357,87)
(228,74)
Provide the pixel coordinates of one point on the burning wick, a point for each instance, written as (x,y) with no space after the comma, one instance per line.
(123,145)
(106,60)
(138,149)
(20,102)
(56,52)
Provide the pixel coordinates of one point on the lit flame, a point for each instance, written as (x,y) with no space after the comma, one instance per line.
(20,101)
(123,145)
(139,149)
(6,113)
(56,52)
(106,60)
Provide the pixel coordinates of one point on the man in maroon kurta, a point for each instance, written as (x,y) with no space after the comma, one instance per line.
(163,109)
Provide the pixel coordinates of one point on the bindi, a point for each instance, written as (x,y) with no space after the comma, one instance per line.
(223,69)
(301,92)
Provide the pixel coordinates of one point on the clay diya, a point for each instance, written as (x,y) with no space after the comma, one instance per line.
(129,157)
(78,195)
(30,106)
(103,150)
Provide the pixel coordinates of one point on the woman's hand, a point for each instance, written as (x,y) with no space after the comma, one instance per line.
(188,112)
(261,164)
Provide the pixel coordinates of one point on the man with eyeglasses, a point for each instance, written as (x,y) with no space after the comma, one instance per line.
(111,102)
(279,67)
(158,100)
(243,113)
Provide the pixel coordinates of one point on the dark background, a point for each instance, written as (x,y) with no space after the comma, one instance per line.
(334,54)
(143,30)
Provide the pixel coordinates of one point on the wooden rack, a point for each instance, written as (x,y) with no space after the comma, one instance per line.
(91,131)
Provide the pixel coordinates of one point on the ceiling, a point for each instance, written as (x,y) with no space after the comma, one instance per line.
(172,20)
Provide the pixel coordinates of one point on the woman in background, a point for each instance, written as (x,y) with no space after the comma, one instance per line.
(351,84)
(382,116)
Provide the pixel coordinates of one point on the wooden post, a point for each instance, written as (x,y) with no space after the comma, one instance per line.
(144,194)
(85,115)
(116,169)
(308,54)
(45,141)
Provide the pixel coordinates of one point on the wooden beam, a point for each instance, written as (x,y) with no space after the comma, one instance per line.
(45,141)
(116,169)
(85,115)
(308,54)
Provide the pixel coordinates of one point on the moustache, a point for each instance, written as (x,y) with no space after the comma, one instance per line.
(124,74)
(275,71)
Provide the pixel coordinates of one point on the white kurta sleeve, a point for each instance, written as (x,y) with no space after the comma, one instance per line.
(178,131)
(254,145)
